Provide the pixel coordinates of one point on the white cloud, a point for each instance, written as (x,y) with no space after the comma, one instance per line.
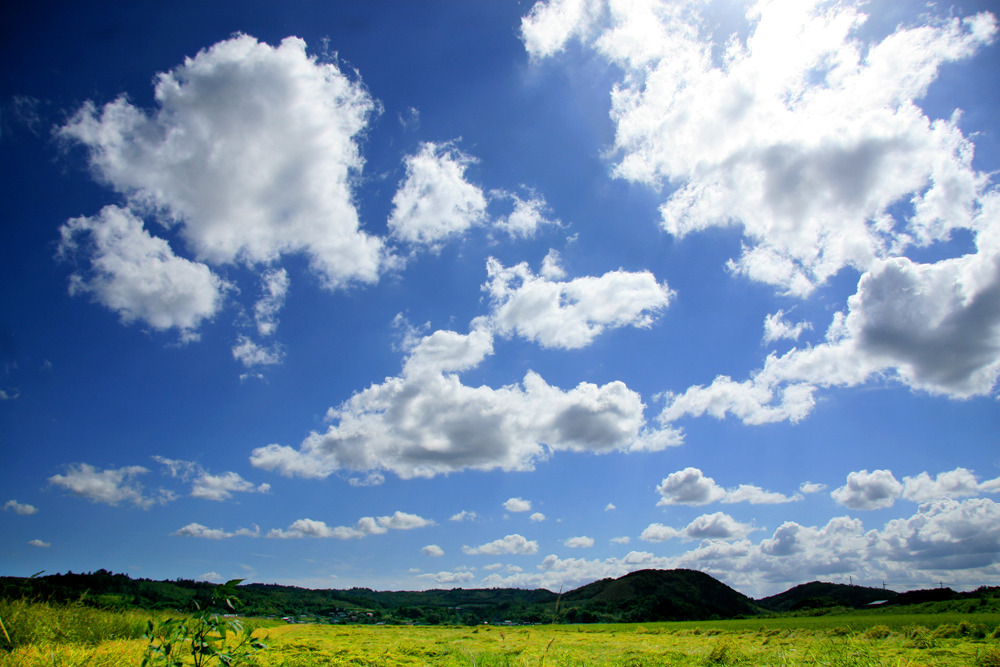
(957,483)
(432,550)
(510,544)
(365,526)
(717,526)
(776,327)
(571,314)
(821,133)
(222,487)
(527,216)
(658,532)
(40,543)
(517,505)
(138,275)
(957,541)
(463,516)
(550,25)
(449,577)
(811,487)
(427,422)
(691,487)
(610,507)
(624,539)
(810,139)
(9,395)
(435,202)
(581,542)
(274,287)
(207,486)
(23,509)
(204,532)
(111,486)
(868,490)
(239,103)
(251,354)
(536,517)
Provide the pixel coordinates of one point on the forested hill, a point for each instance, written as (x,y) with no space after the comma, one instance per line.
(643,596)
(818,594)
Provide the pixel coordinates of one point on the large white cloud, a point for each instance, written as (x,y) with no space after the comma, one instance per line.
(138,275)
(570,314)
(801,134)
(931,326)
(426,422)
(250,151)
(435,202)
(808,136)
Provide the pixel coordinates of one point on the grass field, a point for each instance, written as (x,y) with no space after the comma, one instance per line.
(71,635)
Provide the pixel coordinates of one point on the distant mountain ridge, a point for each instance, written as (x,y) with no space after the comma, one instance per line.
(641,596)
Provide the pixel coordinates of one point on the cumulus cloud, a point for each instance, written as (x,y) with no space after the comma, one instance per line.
(40,543)
(691,487)
(868,490)
(957,483)
(222,487)
(776,328)
(432,550)
(138,275)
(517,505)
(510,544)
(580,542)
(464,515)
(111,487)
(570,314)
(252,354)
(826,162)
(365,526)
(527,216)
(445,578)
(242,102)
(958,541)
(24,509)
(536,517)
(204,532)
(435,202)
(821,133)
(207,486)
(717,526)
(426,422)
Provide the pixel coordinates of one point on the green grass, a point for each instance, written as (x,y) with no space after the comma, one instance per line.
(45,634)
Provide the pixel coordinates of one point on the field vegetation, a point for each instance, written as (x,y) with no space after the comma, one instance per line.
(813,624)
(39,633)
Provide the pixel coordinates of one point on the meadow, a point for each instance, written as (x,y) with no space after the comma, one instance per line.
(38,633)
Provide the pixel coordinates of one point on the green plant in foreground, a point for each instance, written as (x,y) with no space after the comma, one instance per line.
(205,636)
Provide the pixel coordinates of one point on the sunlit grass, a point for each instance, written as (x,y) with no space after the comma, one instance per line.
(44,634)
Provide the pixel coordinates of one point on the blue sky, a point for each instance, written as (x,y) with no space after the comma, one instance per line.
(409,295)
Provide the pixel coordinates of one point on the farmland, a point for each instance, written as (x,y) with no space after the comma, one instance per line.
(57,637)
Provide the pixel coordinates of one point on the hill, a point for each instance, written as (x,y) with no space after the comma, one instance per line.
(662,595)
(819,594)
